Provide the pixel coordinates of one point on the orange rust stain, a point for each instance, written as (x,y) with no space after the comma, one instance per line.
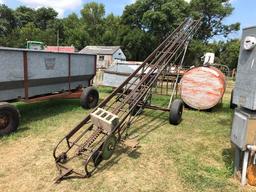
(201,88)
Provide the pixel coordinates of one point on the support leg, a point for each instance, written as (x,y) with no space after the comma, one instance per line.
(244,170)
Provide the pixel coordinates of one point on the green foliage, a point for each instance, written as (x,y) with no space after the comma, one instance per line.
(226,53)
(93,18)
(213,13)
(142,26)
(44,16)
(229,53)
(7,20)
(24,15)
(75,32)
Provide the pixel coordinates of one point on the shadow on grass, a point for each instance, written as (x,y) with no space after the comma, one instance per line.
(220,108)
(33,112)
(45,109)
(224,122)
(148,126)
(228,159)
(120,150)
(41,110)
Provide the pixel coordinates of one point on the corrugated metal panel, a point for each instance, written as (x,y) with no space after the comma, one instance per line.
(245,88)
(47,72)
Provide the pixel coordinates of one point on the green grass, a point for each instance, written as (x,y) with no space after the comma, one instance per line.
(194,156)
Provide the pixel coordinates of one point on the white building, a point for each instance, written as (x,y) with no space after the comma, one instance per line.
(106,55)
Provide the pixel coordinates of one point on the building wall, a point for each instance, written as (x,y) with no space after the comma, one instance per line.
(108,60)
(119,55)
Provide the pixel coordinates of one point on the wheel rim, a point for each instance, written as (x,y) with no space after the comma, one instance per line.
(91,100)
(4,121)
(109,147)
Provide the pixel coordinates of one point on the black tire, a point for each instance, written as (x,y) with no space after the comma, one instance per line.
(9,119)
(176,111)
(136,111)
(89,98)
(232,105)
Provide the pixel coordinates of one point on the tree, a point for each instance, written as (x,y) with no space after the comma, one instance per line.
(7,20)
(142,26)
(28,33)
(112,26)
(24,15)
(43,16)
(75,32)
(230,53)
(157,17)
(213,13)
(93,17)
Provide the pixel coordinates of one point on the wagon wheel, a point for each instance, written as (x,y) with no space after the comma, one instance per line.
(9,118)
(232,105)
(109,147)
(103,153)
(136,110)
(176,111)
(92,163)
(89,98)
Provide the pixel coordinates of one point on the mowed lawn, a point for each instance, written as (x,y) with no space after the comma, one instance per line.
(194,156)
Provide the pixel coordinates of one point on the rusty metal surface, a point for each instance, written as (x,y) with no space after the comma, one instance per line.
(65,95)
(86,140)
(25,65)
(118,73)
(202,88)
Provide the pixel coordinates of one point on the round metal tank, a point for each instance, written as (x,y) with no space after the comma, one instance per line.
(202,88)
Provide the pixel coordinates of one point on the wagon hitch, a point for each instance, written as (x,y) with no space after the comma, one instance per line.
(64,172)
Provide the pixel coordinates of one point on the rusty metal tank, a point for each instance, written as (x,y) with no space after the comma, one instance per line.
(202,88)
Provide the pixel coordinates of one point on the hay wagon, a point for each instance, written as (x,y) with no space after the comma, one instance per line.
(31,75)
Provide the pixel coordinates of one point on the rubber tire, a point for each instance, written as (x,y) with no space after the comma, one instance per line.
(176,110)
(136,111)
(14,118)
(97,158)
(85,97)
(232,105)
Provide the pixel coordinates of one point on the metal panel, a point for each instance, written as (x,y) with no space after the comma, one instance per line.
(82,65)
(117,73)
(11,66)
(115,80)
(46,72)
(243,128)
(244,92)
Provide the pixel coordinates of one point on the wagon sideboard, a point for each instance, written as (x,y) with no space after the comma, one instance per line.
(28,73)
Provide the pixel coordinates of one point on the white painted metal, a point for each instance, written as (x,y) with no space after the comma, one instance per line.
(117,73)
(208,58)
(244,169)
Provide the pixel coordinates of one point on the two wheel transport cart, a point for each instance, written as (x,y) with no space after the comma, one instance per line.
(95,138)
(31,76)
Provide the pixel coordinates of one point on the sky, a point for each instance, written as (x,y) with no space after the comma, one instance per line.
(244,9)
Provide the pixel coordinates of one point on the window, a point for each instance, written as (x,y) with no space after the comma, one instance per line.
(101,58)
